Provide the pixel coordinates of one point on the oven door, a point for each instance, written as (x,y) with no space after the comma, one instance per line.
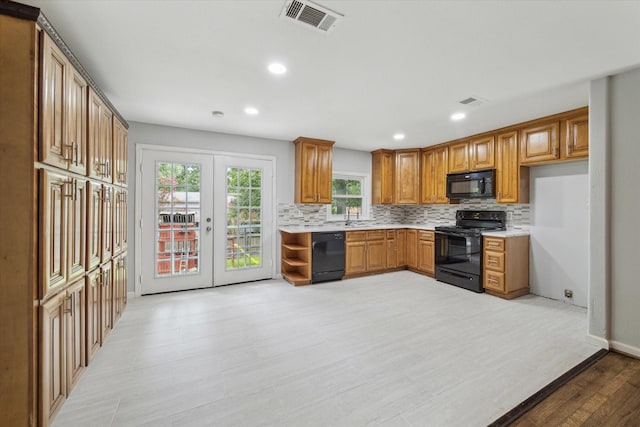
(460,253)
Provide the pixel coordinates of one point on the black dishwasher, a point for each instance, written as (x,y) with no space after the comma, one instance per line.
(328,256)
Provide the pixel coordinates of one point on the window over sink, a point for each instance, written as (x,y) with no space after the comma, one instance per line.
(349,197)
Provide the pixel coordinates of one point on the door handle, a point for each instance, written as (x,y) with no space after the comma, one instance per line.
(209,228)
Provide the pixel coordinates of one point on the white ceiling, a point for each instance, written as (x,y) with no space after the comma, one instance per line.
(387,67)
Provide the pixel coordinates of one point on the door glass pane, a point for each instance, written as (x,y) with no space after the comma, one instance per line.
(244,218)
(178,214)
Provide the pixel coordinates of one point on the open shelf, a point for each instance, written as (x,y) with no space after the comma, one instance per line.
(296,257)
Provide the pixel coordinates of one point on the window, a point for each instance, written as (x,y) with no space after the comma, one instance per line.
(349,197)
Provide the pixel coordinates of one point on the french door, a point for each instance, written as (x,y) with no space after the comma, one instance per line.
(176,221)
(243,220)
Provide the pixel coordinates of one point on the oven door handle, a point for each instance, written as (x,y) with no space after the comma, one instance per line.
(462,276)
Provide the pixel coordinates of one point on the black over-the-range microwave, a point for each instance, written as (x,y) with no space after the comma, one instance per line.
(471,185)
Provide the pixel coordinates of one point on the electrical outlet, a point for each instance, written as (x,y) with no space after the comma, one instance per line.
(568,293)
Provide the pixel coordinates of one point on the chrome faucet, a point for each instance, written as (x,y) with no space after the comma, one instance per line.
(347,222)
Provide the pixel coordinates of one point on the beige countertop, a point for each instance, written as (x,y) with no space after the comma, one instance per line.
(339,226)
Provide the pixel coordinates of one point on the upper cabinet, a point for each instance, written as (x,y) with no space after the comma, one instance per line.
(99,148)
(313,166)
(512,180)
(575,136)
(120,152)
(539,142)
(459,157)
(481,152)
(63,117)
(407,177)
(434,175)
(382,163)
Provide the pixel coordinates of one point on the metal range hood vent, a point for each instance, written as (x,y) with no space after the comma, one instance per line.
(310,13)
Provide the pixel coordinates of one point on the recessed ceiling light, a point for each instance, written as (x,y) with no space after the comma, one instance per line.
(217,114)
(398,136)
(277,68)
(252,111)
(458,116)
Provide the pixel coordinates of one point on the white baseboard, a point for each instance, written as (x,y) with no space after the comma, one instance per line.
(131,294)
(627,349)
(599,341)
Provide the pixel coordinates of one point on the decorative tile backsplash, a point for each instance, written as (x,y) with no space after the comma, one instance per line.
(291,215)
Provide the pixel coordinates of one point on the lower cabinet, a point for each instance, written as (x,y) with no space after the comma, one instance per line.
(119,286)
(412,249)
(62,352)
(506,266)
(401,248)
(392,250)
(93,286)
(106,302)
(365,252)
(426,252)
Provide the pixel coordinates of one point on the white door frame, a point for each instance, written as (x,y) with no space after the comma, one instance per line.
(140,148)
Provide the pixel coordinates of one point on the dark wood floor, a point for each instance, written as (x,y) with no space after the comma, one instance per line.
(606,394)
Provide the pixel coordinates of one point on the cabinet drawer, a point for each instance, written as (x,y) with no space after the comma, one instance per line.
(426,235)
(494,280)
(494,261)
(376,235)
(391,234)
(356,236)
(494,244)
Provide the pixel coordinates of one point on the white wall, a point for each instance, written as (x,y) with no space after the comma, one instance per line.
(560,231)
(614,289)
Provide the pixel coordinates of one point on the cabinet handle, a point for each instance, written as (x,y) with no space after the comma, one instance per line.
(68,148)
(492,262)
(68,304)
(555,152)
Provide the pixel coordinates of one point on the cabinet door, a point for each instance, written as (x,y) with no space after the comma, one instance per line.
(53,378)
(507,171)
(307,192)
(382,171)
(576,137)
(77,229)
(107,223)
(55,190)
(392,253)
(119,220)
(106,301)
(53,149)
(94,224)
(539,143)
(426,256)
(440,174)
(481,151)
(76,334)
(324,173)
(355,257)
(376,255)
(407,177)
(401,248)
(94,159)
(77,121)
(412,248)
(93,289)
(106,143)
(427,177)
(120,147)
(119,286)
(459,157)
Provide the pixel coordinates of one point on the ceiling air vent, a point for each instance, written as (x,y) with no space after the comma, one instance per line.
(473,101)
(310,13)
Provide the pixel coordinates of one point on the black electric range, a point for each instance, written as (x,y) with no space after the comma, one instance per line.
(459,247)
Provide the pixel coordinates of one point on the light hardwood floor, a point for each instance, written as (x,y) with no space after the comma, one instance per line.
(398,349)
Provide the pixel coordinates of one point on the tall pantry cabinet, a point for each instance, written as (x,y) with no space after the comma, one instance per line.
(63,221)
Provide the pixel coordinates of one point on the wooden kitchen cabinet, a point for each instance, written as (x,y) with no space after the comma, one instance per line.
(434,175)
(106,301)
(76,228)
(512,180)
(481,152)
(506,266)
(94,224)
(119,220)
(401,248)
(120,152)
(295,254)
(407,177)
(365,252)
(539,142)
(382,171)
(313,170)
(100,140)
(459,157)
(412,249)
(53,363)
(76,333)
(92,326)
(392,250)
(63,117)
(119,286)
(575,138)
(107,237)
(426,252)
